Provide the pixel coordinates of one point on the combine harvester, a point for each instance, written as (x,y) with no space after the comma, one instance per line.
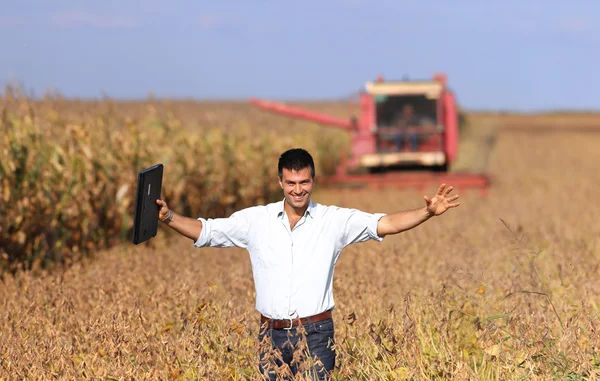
(406,136)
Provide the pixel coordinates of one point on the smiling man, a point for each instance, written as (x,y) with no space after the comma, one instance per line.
(294,245)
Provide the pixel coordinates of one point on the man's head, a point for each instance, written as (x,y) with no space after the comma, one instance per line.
(296,177)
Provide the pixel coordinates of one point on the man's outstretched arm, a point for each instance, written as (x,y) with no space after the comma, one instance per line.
(398,222)
(185,226)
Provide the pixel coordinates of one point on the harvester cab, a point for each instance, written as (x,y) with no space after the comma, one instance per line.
(412,124)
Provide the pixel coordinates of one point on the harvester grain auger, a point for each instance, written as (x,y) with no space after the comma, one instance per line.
(405,136)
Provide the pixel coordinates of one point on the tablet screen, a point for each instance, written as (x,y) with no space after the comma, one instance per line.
(145,223)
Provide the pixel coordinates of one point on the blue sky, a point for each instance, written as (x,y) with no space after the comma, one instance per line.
(512,54)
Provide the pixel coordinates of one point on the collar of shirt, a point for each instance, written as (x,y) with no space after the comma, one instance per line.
(310,211)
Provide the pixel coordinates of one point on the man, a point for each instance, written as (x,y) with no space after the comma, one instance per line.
(406,123)
(293,246)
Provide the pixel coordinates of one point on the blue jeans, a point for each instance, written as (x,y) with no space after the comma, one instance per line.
(303,349)
(413,142)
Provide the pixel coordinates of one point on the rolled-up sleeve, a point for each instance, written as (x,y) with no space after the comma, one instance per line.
(225,232)
(359,226)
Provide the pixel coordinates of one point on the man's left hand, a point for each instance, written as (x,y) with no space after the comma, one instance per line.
(441,202)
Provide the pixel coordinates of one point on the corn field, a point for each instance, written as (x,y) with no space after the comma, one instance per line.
(504,287)
(68,180)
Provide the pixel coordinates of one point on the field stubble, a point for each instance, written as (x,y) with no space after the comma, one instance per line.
(501,288)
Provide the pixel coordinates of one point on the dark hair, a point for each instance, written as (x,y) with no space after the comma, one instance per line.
(296,159)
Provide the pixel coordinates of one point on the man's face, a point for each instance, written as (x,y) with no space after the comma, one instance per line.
(297,186)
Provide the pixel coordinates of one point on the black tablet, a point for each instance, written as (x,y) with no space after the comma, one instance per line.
(145,220)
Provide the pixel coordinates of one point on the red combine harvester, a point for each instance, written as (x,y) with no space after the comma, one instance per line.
(406,136)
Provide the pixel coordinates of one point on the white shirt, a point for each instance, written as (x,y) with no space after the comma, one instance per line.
(292,269)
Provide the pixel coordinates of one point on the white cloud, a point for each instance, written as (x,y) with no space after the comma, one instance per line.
(210,21)
(525,25)
(567,25)
(576,25)
(352,3)
(92,20)
(10,21)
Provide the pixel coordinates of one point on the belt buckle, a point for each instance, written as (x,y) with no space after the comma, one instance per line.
(291,324)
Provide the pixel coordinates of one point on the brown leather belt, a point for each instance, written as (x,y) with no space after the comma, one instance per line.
(289,323)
